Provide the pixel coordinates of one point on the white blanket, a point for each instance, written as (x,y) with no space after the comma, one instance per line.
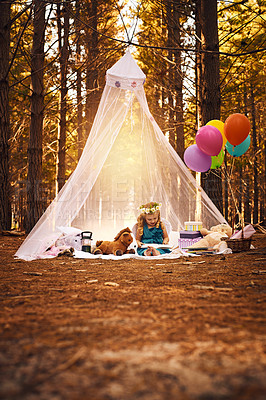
(174,254)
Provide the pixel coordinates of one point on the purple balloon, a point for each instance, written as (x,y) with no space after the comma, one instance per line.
(209,140)
(196,160)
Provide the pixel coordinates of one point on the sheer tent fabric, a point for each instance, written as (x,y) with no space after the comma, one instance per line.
(126,162)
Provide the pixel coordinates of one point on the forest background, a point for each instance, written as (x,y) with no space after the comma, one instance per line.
(203,59)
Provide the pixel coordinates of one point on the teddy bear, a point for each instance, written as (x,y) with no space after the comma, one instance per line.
(118,246)
(221,228)
(213,238)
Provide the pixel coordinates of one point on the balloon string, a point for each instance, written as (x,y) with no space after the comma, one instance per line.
(228,177)
(231,169)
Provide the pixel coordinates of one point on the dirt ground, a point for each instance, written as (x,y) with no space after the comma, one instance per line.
(183,329)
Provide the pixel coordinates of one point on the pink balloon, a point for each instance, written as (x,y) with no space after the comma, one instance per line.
(196,160)
(209,140)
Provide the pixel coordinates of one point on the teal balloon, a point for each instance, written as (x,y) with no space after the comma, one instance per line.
(240,149)
(217,160)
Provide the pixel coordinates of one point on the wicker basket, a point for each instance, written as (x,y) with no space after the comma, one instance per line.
(237,245)
(241,244)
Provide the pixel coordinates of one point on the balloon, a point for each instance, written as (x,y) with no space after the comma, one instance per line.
(236,128)
(217,160)
(219,125)
(209,140)
(239,150)
(196,160)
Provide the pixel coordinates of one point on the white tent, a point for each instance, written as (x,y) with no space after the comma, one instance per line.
(126,162)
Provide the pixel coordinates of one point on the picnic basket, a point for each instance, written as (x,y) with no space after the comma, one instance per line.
(240,244)
(237,245)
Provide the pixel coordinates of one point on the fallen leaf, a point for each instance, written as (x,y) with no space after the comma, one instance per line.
(33,273)
(203,287)
(111,284)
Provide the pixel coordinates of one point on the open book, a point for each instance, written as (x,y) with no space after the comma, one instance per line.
(156,245)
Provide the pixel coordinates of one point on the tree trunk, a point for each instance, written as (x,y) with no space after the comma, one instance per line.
(211,98)
(255,163)
(170,75)
(91,71)
(263,197)
(247,216)
(210,83)
(240,190)
(34,179)
(178,84)
(5,207)
(61,167)
(198,69)
(175,79)
(79,82)
(247,212)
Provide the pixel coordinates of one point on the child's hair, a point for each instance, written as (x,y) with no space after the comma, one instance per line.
(147,209)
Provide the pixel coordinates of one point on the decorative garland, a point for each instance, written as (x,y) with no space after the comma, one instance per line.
(150,209)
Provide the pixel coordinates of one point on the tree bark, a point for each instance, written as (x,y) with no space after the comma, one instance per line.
(255,162)
(170,75)
(34,179)
(263,197)
(175,84)
(79,82)
(240,197)
(64,51)
(5,206)
(210,84)
(247,212)
(178,84)
(198,69)
(91,70)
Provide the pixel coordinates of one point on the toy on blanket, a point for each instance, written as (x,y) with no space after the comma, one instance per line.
(117,247)
(212,238)
(221,228)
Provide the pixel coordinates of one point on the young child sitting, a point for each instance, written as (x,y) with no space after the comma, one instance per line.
(150,229)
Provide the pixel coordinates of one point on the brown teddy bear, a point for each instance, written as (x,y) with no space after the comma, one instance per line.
(118,247)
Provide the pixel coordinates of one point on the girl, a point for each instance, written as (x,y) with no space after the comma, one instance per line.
(150,229)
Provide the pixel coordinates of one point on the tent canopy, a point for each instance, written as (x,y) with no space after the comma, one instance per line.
(126,162)
(125,73)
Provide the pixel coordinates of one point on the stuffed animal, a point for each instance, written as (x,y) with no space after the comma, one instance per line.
(212,238)
(221,228)
(117,247)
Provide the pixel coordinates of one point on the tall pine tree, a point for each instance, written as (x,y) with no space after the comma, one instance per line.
(5,208)
(34,178)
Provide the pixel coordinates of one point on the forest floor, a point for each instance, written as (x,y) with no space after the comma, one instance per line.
(183,329)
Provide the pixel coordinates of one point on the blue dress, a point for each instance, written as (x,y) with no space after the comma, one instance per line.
(152,235)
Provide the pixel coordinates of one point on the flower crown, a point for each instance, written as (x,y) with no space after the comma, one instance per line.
(151,209)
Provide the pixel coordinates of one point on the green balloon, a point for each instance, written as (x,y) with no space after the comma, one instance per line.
(217,160)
